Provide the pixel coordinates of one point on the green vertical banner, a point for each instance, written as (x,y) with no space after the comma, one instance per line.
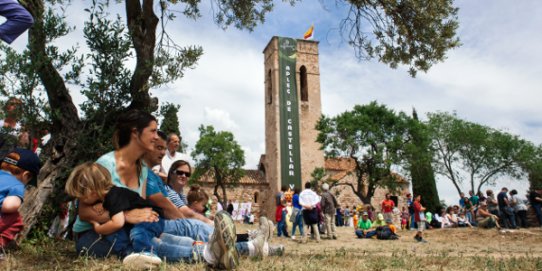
(290,162)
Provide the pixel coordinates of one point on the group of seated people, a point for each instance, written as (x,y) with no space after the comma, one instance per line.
(454,216)
(140,215)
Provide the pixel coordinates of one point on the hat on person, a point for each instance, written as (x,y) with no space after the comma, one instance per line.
(26,160)
(325,187)
(365,213)
(380,217)
(389,220)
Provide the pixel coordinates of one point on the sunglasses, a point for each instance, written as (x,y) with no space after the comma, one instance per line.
(182,173)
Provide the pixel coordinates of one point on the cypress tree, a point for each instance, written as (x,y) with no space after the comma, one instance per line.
(419,164)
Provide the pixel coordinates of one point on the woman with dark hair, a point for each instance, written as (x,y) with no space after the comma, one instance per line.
(135,135)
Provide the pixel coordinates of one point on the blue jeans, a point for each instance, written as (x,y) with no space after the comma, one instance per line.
(508,217)
(192,228)
(298,223)
(141,235)
(538,210)
(176,249)
(92,244)
(412,221)
(18,20)
(368,234)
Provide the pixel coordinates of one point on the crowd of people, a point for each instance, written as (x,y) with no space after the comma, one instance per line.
(319,212)
(132,203)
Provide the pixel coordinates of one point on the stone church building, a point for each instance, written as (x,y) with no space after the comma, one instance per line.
(259,186)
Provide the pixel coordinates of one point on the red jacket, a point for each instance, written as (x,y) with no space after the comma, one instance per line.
(278,214)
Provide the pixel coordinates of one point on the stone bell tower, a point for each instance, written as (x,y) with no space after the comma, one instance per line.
(292,108)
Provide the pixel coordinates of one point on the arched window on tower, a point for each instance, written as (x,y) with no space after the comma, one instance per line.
(303,84)
(269,90)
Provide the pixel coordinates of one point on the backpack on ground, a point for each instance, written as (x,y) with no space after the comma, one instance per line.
(385,233)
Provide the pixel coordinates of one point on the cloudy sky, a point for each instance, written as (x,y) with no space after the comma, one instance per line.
(494,78)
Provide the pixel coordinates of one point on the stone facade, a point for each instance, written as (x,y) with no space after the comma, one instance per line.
(251,188)
(309,110)
(260,186)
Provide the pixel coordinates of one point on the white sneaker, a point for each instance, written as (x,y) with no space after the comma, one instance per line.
(142,260)
(293,237)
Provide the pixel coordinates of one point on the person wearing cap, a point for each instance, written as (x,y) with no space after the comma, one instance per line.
(389,223)
(363,226)
(20,167)
(486,219)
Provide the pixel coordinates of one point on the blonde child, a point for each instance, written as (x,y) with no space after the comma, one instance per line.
(91,184)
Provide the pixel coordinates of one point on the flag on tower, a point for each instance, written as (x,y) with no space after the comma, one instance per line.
(308,34)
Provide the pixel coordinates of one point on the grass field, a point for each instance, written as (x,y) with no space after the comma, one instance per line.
(448,249)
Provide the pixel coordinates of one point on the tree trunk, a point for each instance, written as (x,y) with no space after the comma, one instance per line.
(142,23)
(65,119)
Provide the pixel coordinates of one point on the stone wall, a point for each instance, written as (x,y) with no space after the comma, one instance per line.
(241,193)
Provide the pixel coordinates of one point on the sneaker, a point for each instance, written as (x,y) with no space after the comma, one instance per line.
(271,229)
(142,260)
(276,250)
(261,247)
(260,241)
(222,242)
(293,237)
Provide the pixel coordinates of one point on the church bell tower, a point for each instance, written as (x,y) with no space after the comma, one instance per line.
(292,109)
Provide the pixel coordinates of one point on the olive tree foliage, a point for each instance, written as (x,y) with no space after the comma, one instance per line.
(218,156)
(373,136)
(103,76)
(531,163)
(416,33)
(474,153)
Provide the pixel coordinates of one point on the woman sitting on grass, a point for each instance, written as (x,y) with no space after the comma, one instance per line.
(91,183)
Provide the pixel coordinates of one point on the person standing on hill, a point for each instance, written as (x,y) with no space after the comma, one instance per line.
(535,198)
(387,207)
(420,218)
(328,204)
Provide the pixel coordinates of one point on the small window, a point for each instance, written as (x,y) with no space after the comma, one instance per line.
(256,194)
(303,84)
(269,90)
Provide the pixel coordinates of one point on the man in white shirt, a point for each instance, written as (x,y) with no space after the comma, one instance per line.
(172,155)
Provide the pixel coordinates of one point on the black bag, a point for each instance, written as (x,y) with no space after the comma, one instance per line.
(385,233)
(310,216)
